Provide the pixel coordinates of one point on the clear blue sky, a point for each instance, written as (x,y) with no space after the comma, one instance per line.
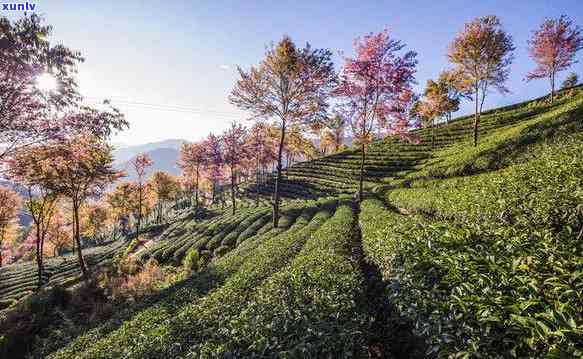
(184,53)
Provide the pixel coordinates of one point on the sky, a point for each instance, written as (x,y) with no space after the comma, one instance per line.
(169,65)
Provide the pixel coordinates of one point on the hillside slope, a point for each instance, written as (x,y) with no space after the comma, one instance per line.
(458,251)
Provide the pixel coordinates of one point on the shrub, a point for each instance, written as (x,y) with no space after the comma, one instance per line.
(190,263)
(221,251)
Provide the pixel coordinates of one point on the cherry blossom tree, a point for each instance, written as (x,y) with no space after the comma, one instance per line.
(261,151)
(374,87)
(78,168)
(140,164)
(124,201)
(58,237)
(553,47)
(234,154)
(193,158)
(9,206)
(337,128)
(31,169)
(482,52)
(165,188)
(439,100)
(94,218)
(26,54)
(291,85)
(455,87)
(12,248)
(214,165)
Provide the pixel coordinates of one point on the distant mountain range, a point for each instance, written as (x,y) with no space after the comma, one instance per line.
(164,155)
(123,154)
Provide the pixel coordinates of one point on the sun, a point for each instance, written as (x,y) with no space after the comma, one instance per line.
(46,82)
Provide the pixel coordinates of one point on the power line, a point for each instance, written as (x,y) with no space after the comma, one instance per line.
(168,108)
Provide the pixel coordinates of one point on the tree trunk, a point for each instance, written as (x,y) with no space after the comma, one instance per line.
(2,229)
(213,195)
(278,179)
(159,219)
(139,219)
(197,187)
(233,190)
(257,179)
(552,77)
(432,134)
(361,180)
(78,243)
(39,256)
(476,119)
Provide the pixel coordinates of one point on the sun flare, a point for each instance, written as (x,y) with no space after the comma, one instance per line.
(46,82)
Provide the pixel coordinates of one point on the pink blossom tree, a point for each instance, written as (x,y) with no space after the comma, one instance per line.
(26,55)
(30,168)
(77,168)
(374,87)
(193,158)
(234,154)
(140,164)
(261,151)
(214,165)
(553,47)
(291,85)
(9,206)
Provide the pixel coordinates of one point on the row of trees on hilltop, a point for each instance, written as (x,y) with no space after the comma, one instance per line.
(482,54)
(294,85)
(146,196)
(239,154)
(373,90)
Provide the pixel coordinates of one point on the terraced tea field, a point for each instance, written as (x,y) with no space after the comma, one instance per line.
(457,251)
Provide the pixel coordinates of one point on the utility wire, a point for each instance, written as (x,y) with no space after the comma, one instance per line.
(169,108)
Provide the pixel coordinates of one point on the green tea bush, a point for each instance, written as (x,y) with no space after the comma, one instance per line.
(190,262)
(478,288)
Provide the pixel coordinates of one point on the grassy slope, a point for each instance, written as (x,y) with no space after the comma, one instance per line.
(480,248)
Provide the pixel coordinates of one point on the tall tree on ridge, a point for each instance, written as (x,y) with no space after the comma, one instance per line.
(193,158)
(140,164)
(482,52)
(215,162)
(375,87)
(553,47)
(291,85)
(234,154)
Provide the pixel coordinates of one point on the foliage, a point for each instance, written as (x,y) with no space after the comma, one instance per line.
(570,81)
(290,84)
(9,205)
(375,88)
(193,158)
(26,54)
(94,217)
(191,261)
(553,47)
(165,187)
(140,164)
(482,54)
(234,154)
